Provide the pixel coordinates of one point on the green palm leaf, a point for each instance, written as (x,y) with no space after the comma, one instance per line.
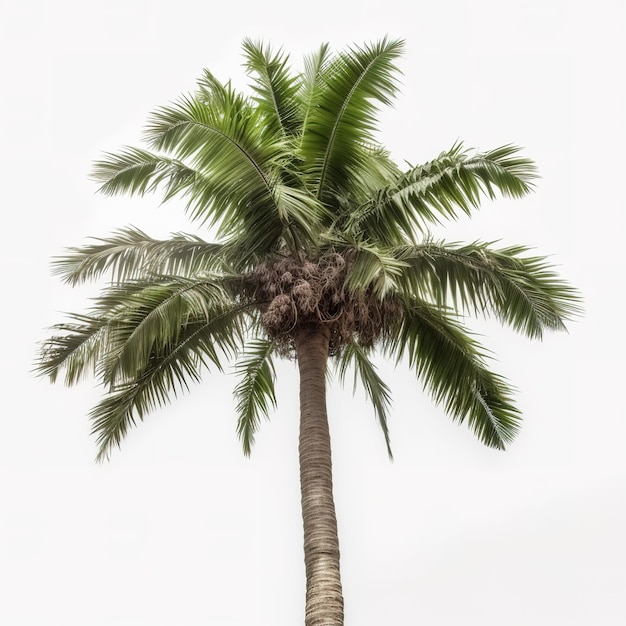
(376,389)
(128,325)
(521,291)
(452,368)
(312,84)
(146,318)
(372,268)
(130,254)
(136,172)
(220,138)
(77,349)
(453,182)
(344,116)
(275,88)
(255,392)
(166,374)
(240,188)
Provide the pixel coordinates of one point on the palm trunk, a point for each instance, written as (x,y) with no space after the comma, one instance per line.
(324,600)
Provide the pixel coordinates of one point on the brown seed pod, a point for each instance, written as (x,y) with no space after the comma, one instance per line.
(292,294)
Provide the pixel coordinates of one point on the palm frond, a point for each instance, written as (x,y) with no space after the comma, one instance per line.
(255,391)
(146,318)
(241,189)
(129,324)
(136,172)
(376,389)
(166,374)
(312,83)
(360,185)
(77,349)
(521,291)
(344,117)
(275,88)
(378,169)
(451,366)
(129,254)
(453,182)
(372,267)
(220,138)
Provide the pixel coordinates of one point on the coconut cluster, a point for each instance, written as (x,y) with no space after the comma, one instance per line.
(293,294)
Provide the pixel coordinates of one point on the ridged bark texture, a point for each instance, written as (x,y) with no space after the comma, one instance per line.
(324,600)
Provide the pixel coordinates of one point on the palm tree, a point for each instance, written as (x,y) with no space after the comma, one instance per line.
(322,254)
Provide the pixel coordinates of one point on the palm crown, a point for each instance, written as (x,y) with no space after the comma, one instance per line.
(315,225)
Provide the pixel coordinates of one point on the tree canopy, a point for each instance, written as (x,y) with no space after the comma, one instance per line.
(315,224)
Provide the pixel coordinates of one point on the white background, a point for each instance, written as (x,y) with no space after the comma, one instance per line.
(179,527)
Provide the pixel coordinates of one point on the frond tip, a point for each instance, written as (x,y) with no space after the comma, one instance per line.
(255,391)
(375,388)
(452,367)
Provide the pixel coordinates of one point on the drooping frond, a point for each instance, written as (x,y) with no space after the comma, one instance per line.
(130,254)
(146,318)
(521,291)
(166,375)
(343,119)
(451,366)
(76,348)
(453,182)
(129,324)
(376,389)
(136,172)
(255,391)
(275,88)
(145,342)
